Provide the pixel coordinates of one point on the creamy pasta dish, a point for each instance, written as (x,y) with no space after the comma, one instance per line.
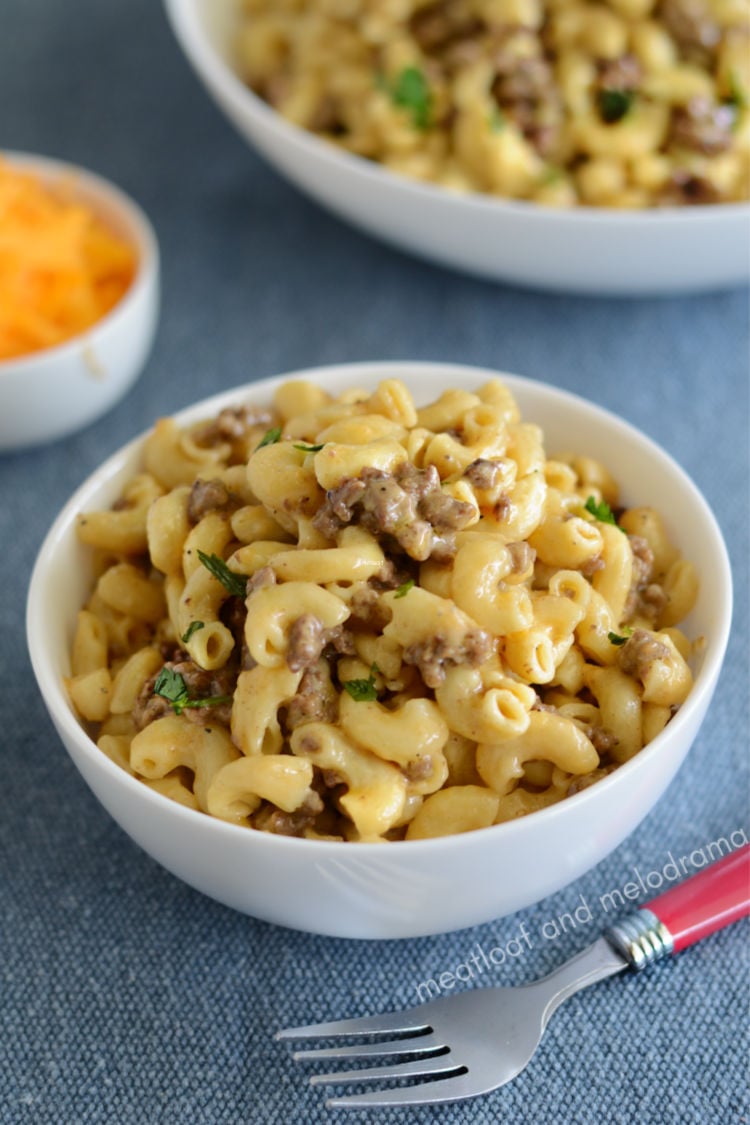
(351,618)
(604,103)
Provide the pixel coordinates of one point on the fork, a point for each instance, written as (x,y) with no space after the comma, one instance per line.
(473,1042)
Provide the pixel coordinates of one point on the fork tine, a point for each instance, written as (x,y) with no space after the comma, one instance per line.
(415,1044)
(449,1089)
(395,1023)
(416,1068)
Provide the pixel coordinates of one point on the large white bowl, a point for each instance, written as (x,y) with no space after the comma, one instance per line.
(51,393)
(586,250)
(408,888)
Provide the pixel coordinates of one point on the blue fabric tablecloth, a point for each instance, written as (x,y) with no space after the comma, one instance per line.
(124,995)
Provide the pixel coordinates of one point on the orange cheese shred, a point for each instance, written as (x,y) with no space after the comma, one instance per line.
(61,268)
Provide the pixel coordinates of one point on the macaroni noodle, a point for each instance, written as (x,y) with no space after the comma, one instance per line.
(622,104)
(368,621)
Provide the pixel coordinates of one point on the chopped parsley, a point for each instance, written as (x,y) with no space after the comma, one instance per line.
(552,175)
(193,627)
(404,589)
(308,448)
(736,96)
(600,511)
(412,92)
(614,105)
(170,685)
(235,583)
(617,639)
(270,437)
(363,691)
(497,120)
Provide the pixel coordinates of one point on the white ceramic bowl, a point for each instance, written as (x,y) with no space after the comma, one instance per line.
(51,393)
(586,250)
(401,889)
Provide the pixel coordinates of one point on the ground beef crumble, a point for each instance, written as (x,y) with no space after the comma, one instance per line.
(588,779)
(683,189)
(308,637)
(408,506)
(483,474)
(200,685)
(316,699)
(704,127)
(525,90)
(207,496)
(434,654)
(234,424)
(271,819)
(639,652)
(645,597)
(368,611)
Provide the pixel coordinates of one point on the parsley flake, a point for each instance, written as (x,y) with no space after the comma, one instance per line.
(404,589)
(170,685)
(193,627)
(617,639)
(411,91)
(601,511)
(363,691)
(552,175)
(736,97)
(270,437)
(235,583)
(614,105)
(308,448)
(497,120)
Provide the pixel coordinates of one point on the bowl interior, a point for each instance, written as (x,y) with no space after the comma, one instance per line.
(646,473)
(411,888)
(661,250)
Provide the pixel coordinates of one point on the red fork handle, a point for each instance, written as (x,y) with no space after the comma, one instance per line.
(706,902)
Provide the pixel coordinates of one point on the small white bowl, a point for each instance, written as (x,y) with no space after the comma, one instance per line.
(403,889)
(51,393)
(585,250)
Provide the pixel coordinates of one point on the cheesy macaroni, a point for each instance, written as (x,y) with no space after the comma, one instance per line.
(619,103)
(352,618)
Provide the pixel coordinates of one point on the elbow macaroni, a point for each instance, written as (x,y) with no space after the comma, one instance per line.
(624,104)
(396,633)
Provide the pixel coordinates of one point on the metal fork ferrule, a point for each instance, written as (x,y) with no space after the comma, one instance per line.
(641,938)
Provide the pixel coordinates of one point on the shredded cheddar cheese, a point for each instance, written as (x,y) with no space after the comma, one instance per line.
(61,269)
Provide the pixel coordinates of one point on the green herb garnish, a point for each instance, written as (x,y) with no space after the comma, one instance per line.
(193,627)
(235,583)
(363,691)
(411,91)
(170,685)
(600,511)
(308,448)
(404,589)
(736,100)
(552,175)
(736,96)
(270,437)
(616,639)
(497,120)
(614,105)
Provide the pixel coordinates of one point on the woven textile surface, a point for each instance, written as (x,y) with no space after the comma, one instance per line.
(127,997)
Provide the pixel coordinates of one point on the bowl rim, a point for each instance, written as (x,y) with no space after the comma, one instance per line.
(139,231)
(49,677)
(218,72)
